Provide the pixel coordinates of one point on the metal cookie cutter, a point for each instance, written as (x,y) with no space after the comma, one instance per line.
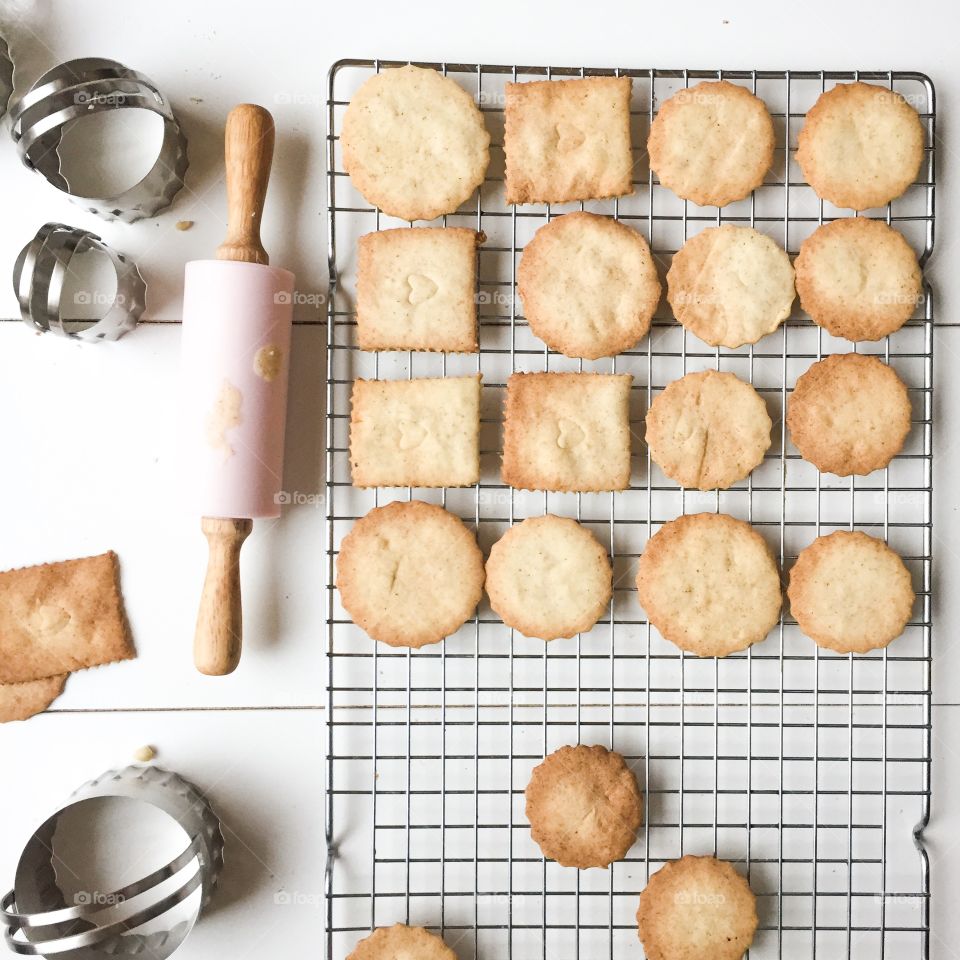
(78,88)
(6,76)
(140,821)
(40,272)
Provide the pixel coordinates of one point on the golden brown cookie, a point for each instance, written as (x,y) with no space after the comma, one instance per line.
(860,146)
(567,431)
(709,584)
(401,942)
(708,430)
(60,617)
(20,701)
(584,807)
(414,143)
(568,140)
(410,573)
(712,143)
(849,413)
(416,289)
(415,433)
(730,285)
(589,285)
(549,577)
(850,593)
(858,278)
(697,908)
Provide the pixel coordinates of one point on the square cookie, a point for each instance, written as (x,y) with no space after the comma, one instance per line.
(568,140)
(415,433)
(567,431)
(416,290)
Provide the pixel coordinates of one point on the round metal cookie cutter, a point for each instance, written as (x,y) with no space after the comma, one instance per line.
(6,76)
(148,917)
(40,273)
(89,85)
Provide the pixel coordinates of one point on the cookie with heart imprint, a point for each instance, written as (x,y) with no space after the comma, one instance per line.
(567,431)
(584,806)
(415,433)
(568,140)
(409,573)
(416,289)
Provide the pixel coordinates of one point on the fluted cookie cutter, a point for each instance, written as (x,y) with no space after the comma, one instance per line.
(6,76)
(169,837)
(40,274)
(90,85)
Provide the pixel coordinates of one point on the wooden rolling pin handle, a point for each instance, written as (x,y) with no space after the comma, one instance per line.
(248,141)
(217,642)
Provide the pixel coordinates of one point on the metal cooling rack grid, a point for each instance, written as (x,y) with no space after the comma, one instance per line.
(810,769)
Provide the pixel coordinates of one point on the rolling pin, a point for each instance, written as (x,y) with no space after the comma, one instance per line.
(237,315)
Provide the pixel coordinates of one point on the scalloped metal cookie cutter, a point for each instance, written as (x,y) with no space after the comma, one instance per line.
(6,76)
(40,922)
(90,85)
(40,273)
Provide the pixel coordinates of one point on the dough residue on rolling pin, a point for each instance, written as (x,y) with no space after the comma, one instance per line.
(267,361)
(224,416)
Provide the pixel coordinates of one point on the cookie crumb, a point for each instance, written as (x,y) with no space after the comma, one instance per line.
(184,224)
(144,754)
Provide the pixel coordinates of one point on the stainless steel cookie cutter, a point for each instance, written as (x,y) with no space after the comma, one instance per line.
(40,273)
(150,916)
(6,76)
(89,85)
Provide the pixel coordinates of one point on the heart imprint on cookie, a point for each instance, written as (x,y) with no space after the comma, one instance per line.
(412,434)
(422,288)
(569,137)
(569,434)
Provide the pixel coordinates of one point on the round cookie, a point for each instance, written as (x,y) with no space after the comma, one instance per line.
(709,584)
(708,430)
(850,593)
(696,908)
(589,285)
(21,701)
(849,413)
(860,146)
(730,285)
(409,573)
(584,807)
(858,278)
(414,143)
(712,143)
(549,577)
(401,942)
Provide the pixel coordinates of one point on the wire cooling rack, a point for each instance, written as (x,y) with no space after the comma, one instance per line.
(809,770)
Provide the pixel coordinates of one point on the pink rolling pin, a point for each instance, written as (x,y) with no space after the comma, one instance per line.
(237,314)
